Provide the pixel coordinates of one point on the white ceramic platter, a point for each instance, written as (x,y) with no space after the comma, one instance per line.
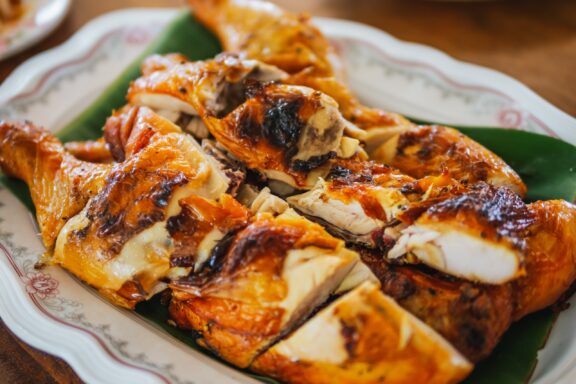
(54,312)
(38,20)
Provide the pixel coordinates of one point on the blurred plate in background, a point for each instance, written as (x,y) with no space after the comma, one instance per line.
(39,18)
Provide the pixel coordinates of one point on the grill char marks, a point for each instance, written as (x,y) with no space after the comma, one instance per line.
(196,220)
(130,203)
(498,212)
(472,317)
(274,118)
(430,150)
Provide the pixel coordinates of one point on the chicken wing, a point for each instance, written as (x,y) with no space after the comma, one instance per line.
(427,150)
(284,40)
(60,184)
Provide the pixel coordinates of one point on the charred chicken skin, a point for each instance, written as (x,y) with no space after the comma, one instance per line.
(434,253)
(286,132)
(239,279)
(108,222)
(237,23)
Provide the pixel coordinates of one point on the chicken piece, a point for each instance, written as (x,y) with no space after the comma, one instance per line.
(357,201)
(416,151)
(287,133)
(258,29)
(364,337)
(478,235)
(121,242)
(60,184)
(426,150)
(94,151)
(550,260)
(262,31)
(472,317)
(259,283)
(156,62)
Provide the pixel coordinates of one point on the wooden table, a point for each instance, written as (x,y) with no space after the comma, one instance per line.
(533,41)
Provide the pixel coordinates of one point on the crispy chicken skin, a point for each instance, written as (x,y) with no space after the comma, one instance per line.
(261,30)
(94,151)
(120,243)
(427,150)
(236,23)
(286,132)
(551,257)
(60,184)
(479,235)
(364,337)
(258,283)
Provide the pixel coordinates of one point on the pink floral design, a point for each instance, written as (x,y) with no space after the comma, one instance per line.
(510,118)
(41,284)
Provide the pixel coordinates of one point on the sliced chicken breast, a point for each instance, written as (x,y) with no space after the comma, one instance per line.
(363,337)
(260,283)
(479,236)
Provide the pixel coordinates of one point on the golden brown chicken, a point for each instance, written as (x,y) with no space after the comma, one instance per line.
(479,235)
(260,30)
(94,151)
(427,150)
(287,133)
(550,262)
(284,40)
(472,317)
(389,136)
(60,184)
(111,221)
(364,337)
(259,283)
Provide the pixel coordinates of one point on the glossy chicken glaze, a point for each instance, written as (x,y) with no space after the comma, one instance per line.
(236,23)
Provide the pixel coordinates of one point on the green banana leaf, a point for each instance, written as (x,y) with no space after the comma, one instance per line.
(547,165)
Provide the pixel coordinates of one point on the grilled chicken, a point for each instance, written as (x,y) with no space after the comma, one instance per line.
(363,337)
(259,30)
(110,221)
(60,184)
(262,31)
(550,261)
(427,150)
(359,199)
(479,235)
(288,133)
(259,283)
(472,317)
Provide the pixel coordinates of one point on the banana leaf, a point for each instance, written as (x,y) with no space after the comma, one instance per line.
(546,164)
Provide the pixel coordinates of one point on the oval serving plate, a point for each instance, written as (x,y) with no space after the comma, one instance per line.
(53,311)
(39,18)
